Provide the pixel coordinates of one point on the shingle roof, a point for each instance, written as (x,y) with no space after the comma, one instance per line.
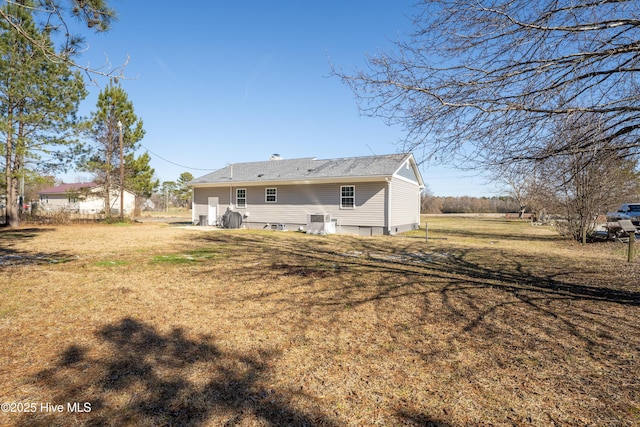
(305,169)
(65,188)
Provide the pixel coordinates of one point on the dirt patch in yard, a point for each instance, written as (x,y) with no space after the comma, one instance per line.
(157,325)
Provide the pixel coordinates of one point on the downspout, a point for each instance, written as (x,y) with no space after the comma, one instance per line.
(193,206)
(421,187)
(231,187)
(388,224)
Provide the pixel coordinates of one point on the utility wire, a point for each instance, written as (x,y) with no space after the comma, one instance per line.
(174,163)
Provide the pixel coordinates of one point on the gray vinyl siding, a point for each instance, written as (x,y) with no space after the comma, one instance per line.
(296,202)
(201,200)
(405,204)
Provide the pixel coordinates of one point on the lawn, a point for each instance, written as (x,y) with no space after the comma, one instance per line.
(490,322)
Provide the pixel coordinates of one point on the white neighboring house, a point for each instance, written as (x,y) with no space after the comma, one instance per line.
(85,198)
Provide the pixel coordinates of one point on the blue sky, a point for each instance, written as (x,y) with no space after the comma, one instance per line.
(226,82)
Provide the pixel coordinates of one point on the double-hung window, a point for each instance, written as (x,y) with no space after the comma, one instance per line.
(241,197)
(271,195)
(347,197)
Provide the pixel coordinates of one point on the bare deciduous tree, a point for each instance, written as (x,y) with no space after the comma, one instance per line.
(429,204)
(585,183)
(487,81)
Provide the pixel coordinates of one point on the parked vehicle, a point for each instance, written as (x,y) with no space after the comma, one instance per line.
(629,211)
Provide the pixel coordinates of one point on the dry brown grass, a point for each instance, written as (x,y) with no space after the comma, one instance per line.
(491,322)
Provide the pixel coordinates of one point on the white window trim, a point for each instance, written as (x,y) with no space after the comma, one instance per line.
(342,197)
(266,195)
(244,198)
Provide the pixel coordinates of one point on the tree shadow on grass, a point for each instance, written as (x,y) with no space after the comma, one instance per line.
(144,377)
(515,274)
(10,256)
(527,313)
(373,272)
(498,269)
(7,234)
(475,234)
(420,420)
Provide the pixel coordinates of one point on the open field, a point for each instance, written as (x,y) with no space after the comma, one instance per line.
(491,322)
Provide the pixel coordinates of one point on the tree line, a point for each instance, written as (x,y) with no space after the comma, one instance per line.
(431,204)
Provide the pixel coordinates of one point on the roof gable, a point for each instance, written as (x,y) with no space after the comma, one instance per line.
(409,171)
(306,169)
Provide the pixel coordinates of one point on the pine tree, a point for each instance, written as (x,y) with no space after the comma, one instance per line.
(38,102)
(114,114)
(55,16)
(139,178)
(184,190)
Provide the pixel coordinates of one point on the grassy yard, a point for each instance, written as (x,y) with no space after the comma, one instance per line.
(171,213)
(490,322)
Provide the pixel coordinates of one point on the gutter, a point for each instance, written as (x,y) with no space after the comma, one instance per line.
(339,180)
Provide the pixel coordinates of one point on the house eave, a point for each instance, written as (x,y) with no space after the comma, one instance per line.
(332,180)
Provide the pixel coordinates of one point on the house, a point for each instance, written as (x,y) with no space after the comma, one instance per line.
(84,197)
(371,195)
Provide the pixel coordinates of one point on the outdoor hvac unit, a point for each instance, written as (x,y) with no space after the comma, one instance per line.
(320,224)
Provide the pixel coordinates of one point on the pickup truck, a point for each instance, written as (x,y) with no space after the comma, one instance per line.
(629,211)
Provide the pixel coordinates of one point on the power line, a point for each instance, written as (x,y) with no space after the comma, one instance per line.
(174,163)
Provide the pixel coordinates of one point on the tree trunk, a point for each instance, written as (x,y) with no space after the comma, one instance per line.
(7,176)
(138,206)
(12,214)
(107,194)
